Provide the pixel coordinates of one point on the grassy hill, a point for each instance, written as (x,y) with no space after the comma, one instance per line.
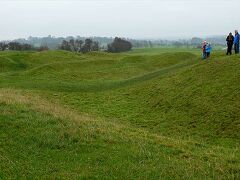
(147,114)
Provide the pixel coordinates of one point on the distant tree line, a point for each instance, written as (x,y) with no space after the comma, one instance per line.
(118,45)
(73,45)
(79,45)
(54,42)
(16,46)
(104,43)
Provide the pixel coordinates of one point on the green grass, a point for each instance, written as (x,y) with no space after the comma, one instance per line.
(148,114)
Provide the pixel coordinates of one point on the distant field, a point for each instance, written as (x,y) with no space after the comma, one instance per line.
(148,114)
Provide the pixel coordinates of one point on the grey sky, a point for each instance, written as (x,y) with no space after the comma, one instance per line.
(125,18)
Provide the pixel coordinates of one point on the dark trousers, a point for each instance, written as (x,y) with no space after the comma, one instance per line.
(204,55)
(236,48)
(229,50)
(208,54)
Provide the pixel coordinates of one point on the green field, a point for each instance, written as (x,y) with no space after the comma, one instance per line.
(148,114)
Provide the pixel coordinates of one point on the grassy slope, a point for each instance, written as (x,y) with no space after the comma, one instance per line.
(153,114)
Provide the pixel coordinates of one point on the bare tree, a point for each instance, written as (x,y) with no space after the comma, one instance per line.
(3,46)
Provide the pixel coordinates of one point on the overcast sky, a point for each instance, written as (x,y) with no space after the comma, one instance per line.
(125,18)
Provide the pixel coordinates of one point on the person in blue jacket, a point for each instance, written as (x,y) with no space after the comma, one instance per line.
(208,50)
(236,42)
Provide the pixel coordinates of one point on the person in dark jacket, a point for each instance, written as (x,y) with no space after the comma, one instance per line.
(236,42)
(204,54)
(230,40)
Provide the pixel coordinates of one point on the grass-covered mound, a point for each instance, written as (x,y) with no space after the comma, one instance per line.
(147,114)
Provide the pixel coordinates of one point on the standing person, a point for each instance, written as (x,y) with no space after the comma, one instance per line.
(230,41)
(236,42)
(204,55)
(208,50)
